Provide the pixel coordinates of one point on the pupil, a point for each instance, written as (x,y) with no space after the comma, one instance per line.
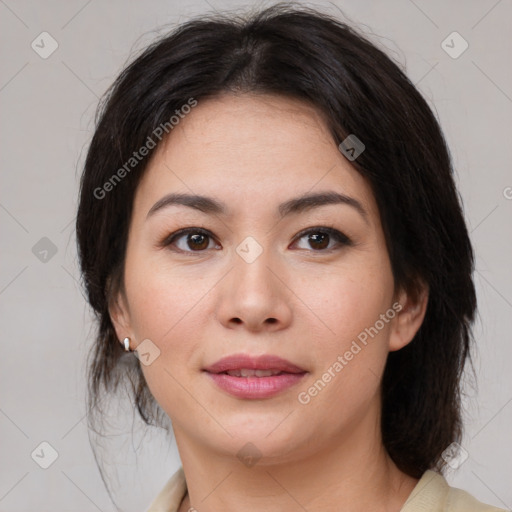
(314,238)
(195,238)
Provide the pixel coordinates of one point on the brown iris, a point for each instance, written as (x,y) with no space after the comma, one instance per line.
(197,238)
(319,238)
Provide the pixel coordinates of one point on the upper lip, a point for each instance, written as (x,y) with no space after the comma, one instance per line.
(263,362)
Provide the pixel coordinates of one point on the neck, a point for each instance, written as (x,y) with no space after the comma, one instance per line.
(351,472)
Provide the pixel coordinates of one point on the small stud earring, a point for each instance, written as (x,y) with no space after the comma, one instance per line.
(126,342)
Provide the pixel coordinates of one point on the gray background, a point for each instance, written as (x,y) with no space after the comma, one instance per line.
(47,120)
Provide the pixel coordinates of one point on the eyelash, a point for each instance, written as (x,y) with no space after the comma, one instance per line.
(339,237)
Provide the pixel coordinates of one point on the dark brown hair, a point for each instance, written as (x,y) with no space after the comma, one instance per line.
(301,53)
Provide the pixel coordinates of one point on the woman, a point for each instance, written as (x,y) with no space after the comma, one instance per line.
(268,220)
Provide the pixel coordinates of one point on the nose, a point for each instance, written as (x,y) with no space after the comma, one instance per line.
(255,296)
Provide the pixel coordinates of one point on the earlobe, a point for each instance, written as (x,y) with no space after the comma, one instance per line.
(409,319)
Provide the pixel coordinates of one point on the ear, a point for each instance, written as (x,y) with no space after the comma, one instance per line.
(411,309)
(120,316)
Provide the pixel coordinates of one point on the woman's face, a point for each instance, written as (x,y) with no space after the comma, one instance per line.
(253,281)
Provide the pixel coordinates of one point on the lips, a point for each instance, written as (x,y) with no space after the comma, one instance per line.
(248,372)
(248,377)
(244,365)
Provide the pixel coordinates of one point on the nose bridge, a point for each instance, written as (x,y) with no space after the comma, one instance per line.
(252,263)
(253,294)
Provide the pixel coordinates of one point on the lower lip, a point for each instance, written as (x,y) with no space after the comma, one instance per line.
(255,387)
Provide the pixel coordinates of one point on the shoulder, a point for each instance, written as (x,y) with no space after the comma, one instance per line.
(170,497)
(433,494)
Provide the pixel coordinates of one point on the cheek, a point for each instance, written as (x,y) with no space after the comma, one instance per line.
(349,357)
(168,305)
(348,300)
(161,296)
(164,305)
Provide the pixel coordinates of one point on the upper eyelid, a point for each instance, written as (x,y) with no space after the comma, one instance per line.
(185,231)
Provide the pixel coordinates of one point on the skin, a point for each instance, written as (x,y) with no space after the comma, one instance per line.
(299,300)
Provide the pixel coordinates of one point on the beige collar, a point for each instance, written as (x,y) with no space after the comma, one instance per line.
(431,494)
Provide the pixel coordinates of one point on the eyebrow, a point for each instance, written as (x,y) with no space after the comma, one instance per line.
(297,205)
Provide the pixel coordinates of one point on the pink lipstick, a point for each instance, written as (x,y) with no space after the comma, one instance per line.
(249,377)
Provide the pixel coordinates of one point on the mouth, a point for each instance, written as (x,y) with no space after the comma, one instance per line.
(248,377)
(248,372)
(245,365)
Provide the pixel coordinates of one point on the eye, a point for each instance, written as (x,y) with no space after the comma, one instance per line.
(319,238)
(192,240)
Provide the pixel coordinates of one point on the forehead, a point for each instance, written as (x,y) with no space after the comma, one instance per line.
(250,122)
(265,148)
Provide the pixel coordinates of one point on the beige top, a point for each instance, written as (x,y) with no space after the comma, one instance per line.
(431,494)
